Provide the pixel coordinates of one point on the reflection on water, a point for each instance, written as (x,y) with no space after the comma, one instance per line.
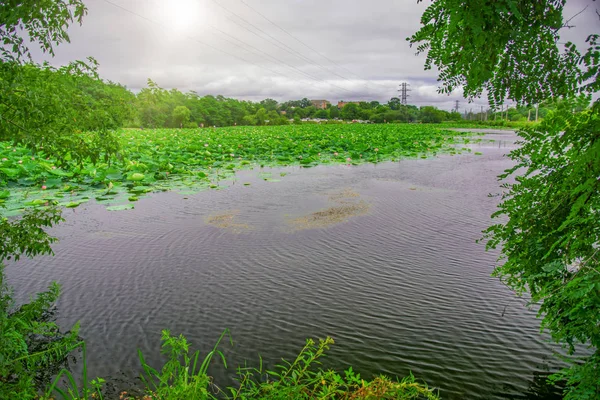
(402,287)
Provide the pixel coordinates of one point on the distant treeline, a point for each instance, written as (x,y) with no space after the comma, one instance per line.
(155,107)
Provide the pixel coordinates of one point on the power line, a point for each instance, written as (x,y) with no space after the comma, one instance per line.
(303,43)
(285,48)
(263,53)
(215,48)
(295,38)
(257,51)
(311,49)
(189,37)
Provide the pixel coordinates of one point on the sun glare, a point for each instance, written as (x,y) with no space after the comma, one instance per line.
(183,15)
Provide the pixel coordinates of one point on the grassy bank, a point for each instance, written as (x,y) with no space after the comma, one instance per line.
(185,377)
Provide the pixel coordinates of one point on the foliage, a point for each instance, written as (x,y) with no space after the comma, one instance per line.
(431,114)
(32,347)
(304,379)
(550,243)
(33,106)
(33,111)
(182,377)
(163,159)
(45,22)
(155,108)
(185,376)
(39,107)
(551,236)
(507,48)
(181,115)
(91,389)
(27,235)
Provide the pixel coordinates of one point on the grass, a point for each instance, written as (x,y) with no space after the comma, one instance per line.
(185,377)
(189,160)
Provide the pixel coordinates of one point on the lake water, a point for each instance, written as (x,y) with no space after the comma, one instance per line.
(401,285)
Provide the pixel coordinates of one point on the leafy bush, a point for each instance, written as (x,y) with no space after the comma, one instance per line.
(550,243)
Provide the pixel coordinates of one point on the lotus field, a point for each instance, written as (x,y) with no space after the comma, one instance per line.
(189,160)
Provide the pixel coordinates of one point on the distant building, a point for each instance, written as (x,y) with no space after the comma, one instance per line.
(320,104)
(341,104)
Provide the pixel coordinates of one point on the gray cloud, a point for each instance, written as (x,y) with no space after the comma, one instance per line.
(365,40)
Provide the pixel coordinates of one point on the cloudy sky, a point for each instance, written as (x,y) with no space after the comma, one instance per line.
(282,49)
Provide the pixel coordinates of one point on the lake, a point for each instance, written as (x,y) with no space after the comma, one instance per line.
(383,258)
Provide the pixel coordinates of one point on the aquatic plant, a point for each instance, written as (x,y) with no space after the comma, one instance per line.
(196,159)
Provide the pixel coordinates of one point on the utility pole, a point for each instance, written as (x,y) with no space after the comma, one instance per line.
(481,113)
(404,89)
(456,105)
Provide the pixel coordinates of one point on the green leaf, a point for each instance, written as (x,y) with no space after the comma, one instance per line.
(120,207)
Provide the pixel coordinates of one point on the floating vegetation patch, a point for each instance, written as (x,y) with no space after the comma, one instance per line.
(331,216)
(227,221)
(343,196)
(347,205)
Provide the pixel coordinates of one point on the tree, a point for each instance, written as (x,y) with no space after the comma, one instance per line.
(33,106)
(550,236)
(350,111)
(504,37)
(43,105)
(261,116)
(455,116)
(45,23)
(269,104)
(305,103)
(181,115)
(323,114)
(334,112)
(394,103)
(430,114)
